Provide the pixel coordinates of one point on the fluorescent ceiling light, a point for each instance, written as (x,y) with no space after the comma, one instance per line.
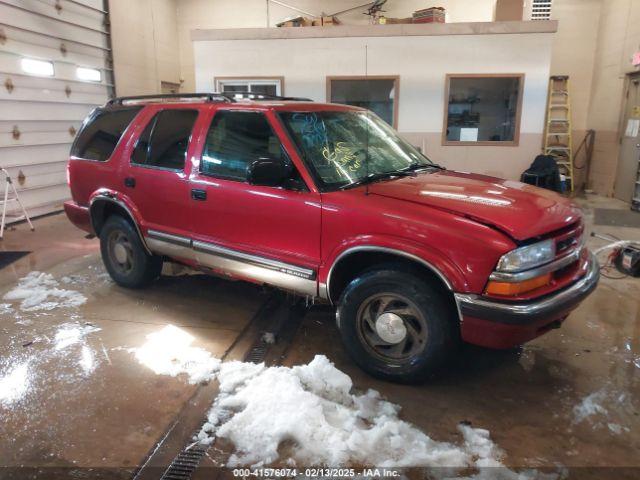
(90,74)
(37,67)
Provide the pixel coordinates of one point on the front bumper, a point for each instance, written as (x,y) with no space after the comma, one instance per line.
(501,324)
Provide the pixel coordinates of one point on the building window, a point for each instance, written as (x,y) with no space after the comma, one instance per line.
(264,85)
(376,93)
(37,67)
(540,9)
(89,74)
(483,109)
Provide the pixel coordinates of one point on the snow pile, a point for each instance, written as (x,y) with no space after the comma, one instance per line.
(605,408)
(590,405)
(311,408)
(14,383)
(87,360)
(71,333)
(169,352)
(39,291)
(5,308)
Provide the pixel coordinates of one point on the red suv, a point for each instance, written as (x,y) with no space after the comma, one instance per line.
(327,201)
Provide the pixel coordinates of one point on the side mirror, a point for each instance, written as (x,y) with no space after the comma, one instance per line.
(268,172)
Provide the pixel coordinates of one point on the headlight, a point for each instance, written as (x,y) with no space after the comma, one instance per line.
(531,256)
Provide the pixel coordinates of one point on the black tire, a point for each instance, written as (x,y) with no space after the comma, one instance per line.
(427,315)
(119,239)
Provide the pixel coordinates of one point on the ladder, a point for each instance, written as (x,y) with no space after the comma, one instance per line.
(11,195)
(557,132)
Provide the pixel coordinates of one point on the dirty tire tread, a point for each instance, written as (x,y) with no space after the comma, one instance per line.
(443,339)
(146,268)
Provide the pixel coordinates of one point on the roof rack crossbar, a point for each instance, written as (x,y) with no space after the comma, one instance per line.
(208,97)
(261,96)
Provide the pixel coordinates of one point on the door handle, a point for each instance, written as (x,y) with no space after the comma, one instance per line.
(130,182)
(198,194)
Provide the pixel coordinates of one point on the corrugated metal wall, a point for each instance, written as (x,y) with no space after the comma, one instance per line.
(39,115)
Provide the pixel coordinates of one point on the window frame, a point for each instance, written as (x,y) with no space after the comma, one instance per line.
(198,171)
(92,117)
(277,80)
(153,119)
(503,143)
(396,89)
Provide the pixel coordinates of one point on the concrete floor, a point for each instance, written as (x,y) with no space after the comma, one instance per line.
(114,414)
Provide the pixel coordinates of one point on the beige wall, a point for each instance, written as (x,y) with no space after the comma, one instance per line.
(422,83)
(573,50)
(594,45)
(145,45)
(206,14)
(618,38)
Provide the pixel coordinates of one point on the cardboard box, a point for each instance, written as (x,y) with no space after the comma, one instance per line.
(429,15)
(394,21)
(329,21)
(295,22)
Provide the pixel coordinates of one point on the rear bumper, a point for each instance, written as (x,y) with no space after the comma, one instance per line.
(78,215)
(497,324)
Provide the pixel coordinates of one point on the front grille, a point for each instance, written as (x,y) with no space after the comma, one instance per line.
(565,244)
(568,239)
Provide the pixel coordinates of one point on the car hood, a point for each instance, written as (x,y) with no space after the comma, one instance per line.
(520,210)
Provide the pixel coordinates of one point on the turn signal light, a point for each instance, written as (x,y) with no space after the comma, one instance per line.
(517,288)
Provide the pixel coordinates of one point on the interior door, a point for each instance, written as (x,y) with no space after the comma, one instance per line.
(629,159)
(264,233)
(155,178)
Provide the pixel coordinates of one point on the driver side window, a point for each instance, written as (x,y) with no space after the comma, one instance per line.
(235,139)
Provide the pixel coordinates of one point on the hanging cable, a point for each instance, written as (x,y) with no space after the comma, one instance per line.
(588,143)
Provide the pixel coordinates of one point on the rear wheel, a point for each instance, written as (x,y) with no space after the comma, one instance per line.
(396,326)
(124,256)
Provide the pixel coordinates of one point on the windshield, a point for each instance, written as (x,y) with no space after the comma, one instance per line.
(344,148)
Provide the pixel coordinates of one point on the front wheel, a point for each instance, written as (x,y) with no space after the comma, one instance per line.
(124,256)
(396,326)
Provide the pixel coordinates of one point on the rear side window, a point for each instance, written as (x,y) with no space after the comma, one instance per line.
(165,140)
(99,136)
(235,139)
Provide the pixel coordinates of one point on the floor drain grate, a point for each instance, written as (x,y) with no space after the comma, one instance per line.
(257,353)
(184,464)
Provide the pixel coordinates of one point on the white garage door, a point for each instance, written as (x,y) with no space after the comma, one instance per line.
(54,69)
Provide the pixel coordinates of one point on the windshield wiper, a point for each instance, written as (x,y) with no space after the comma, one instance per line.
(422,166)
(376,177)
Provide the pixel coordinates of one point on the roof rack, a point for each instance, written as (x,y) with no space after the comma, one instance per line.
(207,97)
(226,97)
(233,96)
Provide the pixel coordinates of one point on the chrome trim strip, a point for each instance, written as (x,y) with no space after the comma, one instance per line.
(105,197)
(264,274)
(169,237)
(171,249)
(373,248)
(323,292)
(581,287)
(287,268)
(536,272)
(290,277)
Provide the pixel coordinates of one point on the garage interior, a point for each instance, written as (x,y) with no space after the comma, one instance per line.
(99,381)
